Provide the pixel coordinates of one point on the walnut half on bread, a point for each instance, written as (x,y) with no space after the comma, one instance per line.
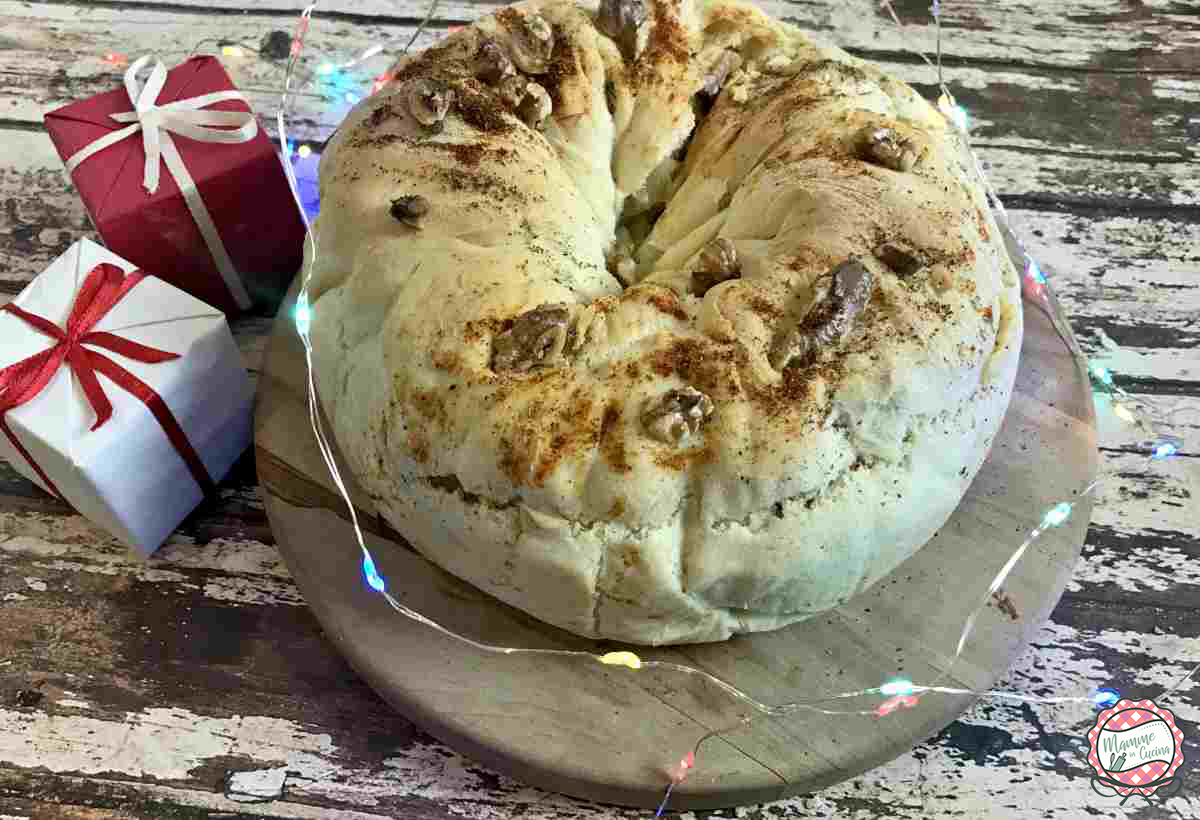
(658,320)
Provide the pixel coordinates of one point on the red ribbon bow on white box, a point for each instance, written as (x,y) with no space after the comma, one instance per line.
(21,382)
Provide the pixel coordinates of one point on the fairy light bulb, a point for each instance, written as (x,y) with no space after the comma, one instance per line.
(1057,515)
(325,68)
(621,659)
(683,767)
(304,151)
(374,579)
(1034,272)
(1105,696)
(892,704)
(899,686)
(1101,374)
(113,58)
(1164,450)
(233,51)
(303,314)
(954,112)
(380,82)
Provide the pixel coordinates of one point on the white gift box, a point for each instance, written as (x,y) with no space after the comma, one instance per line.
(126,476)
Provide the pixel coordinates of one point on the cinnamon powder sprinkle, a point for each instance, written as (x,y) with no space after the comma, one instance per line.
(612,442)
(563,65)
(481,108)
(667,43)
(764,309)
(678,461)
(668,303)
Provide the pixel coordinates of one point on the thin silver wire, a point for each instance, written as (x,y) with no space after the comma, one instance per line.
(763,709)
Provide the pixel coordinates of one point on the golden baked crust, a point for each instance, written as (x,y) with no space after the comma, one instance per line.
(635,394)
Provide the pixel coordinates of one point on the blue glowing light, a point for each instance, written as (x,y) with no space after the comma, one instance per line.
(1102,374)
(958,115)
(1035,273)
(896,687)
(306,167)
(1164,450)
(303,314)
(373,577)
(1058,514)
(1105,696)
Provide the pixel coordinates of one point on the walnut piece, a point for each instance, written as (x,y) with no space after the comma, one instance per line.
(830,321)
(410,209)
(718,263)
(620,20)
(677,415)
(714,81)
(512,90)
(428,101)
(491,63)
(884,146)
(536,339)
(532,44)
(535,107)
(900,258)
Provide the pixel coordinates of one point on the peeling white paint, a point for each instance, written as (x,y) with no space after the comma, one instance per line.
(1138,570)
(256,572)
(107,567)
(256,786)
(163,743)
(72,537)
(260,590)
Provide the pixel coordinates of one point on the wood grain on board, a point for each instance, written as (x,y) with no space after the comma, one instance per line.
(163,681)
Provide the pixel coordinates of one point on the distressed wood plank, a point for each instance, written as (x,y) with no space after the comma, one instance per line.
(1142,119)
(348,755)
(1113,35)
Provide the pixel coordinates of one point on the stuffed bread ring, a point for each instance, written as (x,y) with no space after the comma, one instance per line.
(659,321)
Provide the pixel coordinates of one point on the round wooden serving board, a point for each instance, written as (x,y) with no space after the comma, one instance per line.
(609,733)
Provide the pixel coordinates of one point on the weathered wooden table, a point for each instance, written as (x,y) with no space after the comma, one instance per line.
(198,683)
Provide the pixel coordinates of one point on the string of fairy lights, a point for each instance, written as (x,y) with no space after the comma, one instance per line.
(337,79)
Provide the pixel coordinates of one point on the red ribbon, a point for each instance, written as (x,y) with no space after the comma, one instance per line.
(104,286)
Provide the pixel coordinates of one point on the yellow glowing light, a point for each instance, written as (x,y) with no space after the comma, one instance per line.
(233,51)
(622,659)
(303,150)
(953,111)
(1122,412)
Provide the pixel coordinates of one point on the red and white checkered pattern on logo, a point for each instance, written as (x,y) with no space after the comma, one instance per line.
(1128,714)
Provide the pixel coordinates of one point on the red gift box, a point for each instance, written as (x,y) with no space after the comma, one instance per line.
(242,187)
